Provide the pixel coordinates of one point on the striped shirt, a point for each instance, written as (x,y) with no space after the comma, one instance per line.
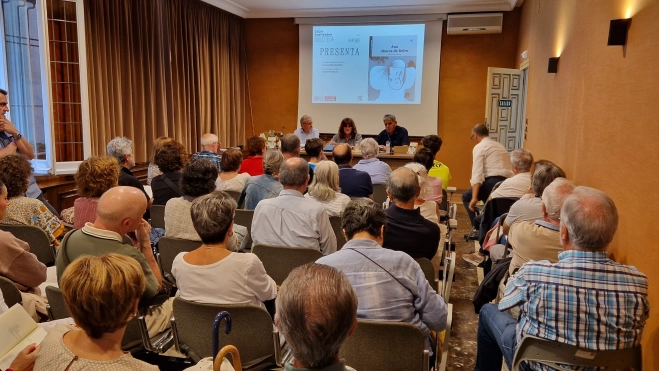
(211,156)
(585,300)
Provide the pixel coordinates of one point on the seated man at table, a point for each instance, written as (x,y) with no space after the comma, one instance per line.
(378,170)
(392,133)
(407,230)
(585,299)
(390,284)
(353,182)
(315,340)
(290,219)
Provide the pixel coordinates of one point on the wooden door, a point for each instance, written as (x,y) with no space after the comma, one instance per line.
(504,107)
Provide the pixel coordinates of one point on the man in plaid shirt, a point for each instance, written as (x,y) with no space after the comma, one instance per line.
(210,146)
(585,299)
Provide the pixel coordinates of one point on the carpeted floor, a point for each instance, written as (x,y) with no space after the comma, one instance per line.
(462,351)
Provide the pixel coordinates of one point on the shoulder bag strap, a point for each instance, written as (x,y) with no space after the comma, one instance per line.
(172,185)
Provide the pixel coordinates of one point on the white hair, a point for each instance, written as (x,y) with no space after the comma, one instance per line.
(590,217)
(209,139)
(369,148)
(554,195)
(522,159)
(119,147)
(389,116)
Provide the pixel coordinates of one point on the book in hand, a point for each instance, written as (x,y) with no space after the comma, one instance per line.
(17,331)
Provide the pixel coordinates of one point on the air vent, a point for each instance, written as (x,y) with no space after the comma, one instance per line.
(469,24)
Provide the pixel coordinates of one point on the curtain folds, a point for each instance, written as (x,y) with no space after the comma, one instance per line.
(164,68)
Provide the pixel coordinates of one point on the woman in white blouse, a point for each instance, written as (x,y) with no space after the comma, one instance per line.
(325,188)
(229,179)
(212,274)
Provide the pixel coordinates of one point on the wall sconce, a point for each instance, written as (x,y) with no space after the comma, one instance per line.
(618,30)
(553,65)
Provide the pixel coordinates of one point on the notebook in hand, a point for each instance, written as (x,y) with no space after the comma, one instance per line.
(17,330)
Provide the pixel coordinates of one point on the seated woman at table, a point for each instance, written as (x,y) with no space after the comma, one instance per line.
(15,171)
(229,179)
(212,274)
(347,133)
(101,293)
(325,188)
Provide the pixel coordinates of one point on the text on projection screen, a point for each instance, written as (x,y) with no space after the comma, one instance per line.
(379,64)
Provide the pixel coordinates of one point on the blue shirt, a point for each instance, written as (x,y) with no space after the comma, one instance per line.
(212,156)
(585,299)
(380,296)
(354,183)
(259,188)
(378,170)
(398,138)
(304,136)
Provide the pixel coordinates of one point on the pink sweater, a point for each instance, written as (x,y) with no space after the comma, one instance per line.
(84,210)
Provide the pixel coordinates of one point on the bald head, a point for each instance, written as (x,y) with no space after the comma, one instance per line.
(342,154)
(294,173)
(120,203)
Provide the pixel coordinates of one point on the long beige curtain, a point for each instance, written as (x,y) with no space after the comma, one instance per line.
(164,68)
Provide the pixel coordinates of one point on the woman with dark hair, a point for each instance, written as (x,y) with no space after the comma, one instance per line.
(198,179)
(425,157)
(15,171)
(438,170)
(347,133)
(170,158)
(253,164)
(153,170)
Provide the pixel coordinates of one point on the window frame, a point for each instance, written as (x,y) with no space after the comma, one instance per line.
(50,166)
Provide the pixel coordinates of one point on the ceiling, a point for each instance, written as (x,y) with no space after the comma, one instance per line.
(329,8)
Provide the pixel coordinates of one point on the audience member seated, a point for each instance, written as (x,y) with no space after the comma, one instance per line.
(290,219)
(325,188)
(264,186)
(315,340)
(153,170)
(314,149)
(210,150)
(253,164)
(519,184)
(290,148)
(390,285)
(429,209)
(392,133)
(15,170)
(95,175)
(407,230)
(529,206)
(119,211)
(213,274)
(101,293)
(424,157)
(540,239)
(171,158)
(585,299)
(229,179)
(198,179)
(21,266)
(347,133)
(121,148)
(433,143)
(354,183)
(378,170)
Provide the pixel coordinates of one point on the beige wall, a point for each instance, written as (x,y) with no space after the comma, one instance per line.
(597,118)
(273,68)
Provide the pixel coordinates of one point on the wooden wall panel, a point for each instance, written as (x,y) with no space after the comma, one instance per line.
(597,118)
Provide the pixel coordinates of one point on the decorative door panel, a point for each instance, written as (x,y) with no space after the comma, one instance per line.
(504,108)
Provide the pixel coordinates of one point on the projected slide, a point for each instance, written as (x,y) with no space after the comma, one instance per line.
(367,64)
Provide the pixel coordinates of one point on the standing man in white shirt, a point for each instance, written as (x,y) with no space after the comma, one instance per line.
(491,165)
(306,130)
(520,184)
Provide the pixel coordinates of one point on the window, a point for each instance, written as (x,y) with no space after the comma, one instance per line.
(47,80)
